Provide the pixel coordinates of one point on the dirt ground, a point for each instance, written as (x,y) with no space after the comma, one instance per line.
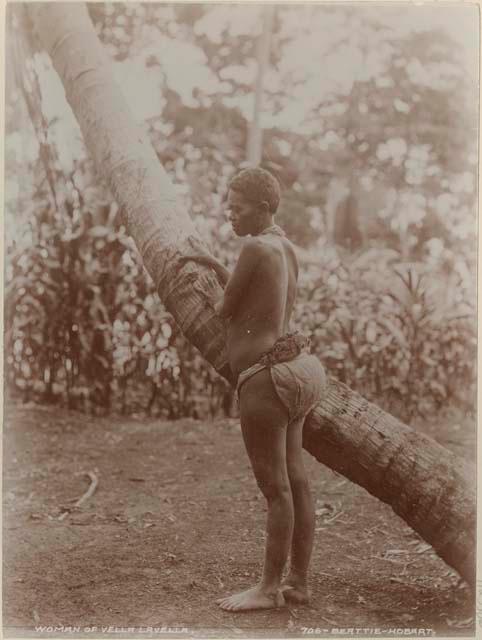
(177,521)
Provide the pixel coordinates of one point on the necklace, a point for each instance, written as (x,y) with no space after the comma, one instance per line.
(274,229)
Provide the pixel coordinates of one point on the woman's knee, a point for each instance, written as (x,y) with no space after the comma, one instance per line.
(298,480)
(274,489)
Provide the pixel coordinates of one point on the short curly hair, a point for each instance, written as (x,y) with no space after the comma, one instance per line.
(257,185)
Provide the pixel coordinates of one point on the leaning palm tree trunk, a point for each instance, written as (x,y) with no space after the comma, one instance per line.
(426,485)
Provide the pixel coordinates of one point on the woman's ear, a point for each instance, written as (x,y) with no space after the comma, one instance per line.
(264,206)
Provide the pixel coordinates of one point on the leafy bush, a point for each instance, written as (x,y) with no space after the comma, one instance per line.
(85,328)
(379,326)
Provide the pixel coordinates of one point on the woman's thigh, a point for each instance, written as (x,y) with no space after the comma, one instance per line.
(263,422)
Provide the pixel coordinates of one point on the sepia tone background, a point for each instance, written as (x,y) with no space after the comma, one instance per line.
(368,116)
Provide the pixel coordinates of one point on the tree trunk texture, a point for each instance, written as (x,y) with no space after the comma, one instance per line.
(425,484)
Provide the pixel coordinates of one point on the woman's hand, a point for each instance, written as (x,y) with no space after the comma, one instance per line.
(201,258)
(218,306)
(208,260)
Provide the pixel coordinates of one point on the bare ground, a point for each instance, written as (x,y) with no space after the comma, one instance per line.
(177,521)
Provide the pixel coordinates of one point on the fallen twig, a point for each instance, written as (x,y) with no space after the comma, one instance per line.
(423,548)
(335,517)
(399,581)
(90,491)
(460,624)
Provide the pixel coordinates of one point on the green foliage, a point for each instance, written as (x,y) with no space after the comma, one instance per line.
(379,326)
(85,328)
(382,161)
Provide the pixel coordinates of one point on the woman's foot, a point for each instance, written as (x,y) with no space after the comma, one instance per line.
(295,591)
(255,598)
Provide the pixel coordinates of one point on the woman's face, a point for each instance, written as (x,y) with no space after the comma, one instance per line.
(243,214)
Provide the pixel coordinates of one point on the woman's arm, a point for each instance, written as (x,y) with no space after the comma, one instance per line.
(239,280)
(235,283)
(209,261)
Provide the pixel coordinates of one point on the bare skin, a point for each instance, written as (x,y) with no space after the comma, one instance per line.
(258,301)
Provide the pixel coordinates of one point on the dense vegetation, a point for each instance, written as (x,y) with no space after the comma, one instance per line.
(378,170)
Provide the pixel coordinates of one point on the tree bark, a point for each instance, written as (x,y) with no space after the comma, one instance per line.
(425,484)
